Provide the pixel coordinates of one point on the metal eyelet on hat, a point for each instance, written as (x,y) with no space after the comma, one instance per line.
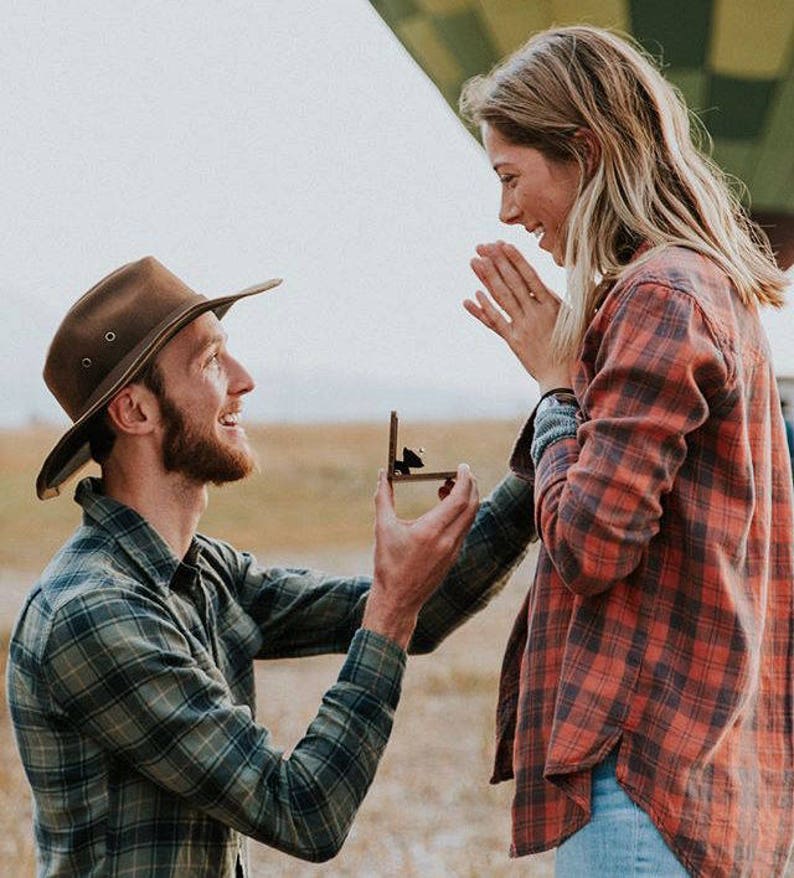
(110,335)
(86,362)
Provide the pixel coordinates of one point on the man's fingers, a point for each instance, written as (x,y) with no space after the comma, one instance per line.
(384,499)
(444,490)
(464,493)
(459,529)
(444,525)
(474,494)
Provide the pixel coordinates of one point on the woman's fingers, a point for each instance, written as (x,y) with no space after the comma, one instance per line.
(503,294)
(515,275)
(531,308)
(494,261)
(524,292)
(529,276)
(485,312)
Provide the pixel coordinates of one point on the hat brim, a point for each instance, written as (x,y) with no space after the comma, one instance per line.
(72,451)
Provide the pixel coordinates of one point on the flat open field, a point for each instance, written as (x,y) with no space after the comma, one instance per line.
(431,811)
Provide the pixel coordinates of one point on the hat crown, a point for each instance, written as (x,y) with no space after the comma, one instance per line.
(107,326)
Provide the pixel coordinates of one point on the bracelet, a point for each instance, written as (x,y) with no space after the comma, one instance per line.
(567,390)
(558,396)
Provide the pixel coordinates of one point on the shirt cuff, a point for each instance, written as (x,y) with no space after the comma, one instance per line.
(521,462)
(376,664)
(551,426)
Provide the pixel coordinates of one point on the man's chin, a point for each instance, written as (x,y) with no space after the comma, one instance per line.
(236,441)
(204,456)
(212,464)
(235,468)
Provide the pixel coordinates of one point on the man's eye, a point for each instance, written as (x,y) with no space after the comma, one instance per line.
(506,179)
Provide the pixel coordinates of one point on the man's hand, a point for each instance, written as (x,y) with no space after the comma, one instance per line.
(412,557)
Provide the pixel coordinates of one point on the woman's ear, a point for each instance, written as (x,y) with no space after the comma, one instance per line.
(590,149)
(133,410)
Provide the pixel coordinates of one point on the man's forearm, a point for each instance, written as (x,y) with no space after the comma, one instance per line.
(311,799)
(388,620)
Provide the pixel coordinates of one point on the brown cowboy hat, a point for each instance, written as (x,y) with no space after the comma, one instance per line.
(106,339)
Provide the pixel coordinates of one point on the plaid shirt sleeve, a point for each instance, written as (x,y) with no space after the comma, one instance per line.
(118,666)
(301,612)
(599,495)
(497,542)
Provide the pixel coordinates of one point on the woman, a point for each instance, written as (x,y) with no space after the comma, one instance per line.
(646,696)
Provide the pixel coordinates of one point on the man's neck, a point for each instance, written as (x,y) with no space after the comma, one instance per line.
(170,503)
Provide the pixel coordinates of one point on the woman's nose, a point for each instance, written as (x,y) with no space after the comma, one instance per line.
(508,211)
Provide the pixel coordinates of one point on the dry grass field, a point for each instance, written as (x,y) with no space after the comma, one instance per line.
(431,811)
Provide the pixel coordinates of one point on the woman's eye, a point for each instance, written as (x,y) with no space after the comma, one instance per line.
(506,179)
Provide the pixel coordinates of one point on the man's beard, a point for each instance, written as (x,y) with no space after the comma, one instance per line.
(198,454)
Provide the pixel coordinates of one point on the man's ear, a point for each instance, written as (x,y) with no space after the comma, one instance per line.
(590,148)
(134,410)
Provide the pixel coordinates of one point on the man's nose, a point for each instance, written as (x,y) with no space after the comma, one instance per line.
(241,380)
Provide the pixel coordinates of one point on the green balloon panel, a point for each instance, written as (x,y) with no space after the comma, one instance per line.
(731,59)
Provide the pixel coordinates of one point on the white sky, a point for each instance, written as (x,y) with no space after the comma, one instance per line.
(238,141)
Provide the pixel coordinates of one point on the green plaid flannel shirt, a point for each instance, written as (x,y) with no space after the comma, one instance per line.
(131,688)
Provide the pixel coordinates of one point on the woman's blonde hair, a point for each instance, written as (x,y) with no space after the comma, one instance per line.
(650,182)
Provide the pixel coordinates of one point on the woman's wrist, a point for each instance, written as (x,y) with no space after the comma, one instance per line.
(559,380)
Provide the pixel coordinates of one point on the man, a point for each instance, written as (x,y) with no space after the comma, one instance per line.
(130,668)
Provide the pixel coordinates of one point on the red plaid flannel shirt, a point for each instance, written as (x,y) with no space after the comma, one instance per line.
(661,615)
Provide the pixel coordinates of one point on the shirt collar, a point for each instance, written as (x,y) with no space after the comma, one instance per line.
(135,536)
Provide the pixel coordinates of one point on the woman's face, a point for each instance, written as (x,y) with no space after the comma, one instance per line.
(537,193)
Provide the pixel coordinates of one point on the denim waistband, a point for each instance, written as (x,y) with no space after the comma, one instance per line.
(606,767)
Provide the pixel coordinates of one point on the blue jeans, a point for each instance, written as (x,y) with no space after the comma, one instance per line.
(620,841)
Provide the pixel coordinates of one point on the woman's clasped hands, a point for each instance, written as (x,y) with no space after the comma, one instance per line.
(529,311)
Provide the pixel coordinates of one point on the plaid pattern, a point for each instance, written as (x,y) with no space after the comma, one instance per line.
(661,613)
(131,689)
